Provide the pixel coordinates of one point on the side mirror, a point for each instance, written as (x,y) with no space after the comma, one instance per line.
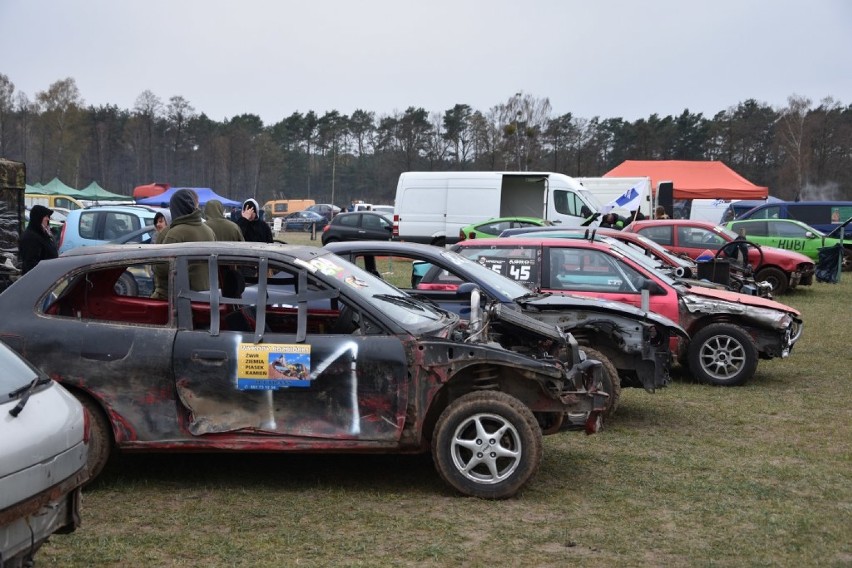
(466,289)
(809,235)
(653,288)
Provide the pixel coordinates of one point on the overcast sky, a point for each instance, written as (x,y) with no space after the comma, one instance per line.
(616,58)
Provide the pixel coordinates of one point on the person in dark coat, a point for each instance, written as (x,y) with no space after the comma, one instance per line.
(187,226)
(254,228)
(37,241)
(225,229)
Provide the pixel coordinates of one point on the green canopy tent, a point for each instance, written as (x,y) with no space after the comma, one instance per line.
(94,192)
(56,187)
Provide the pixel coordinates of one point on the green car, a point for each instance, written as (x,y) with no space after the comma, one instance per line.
(785,234)
(493,227)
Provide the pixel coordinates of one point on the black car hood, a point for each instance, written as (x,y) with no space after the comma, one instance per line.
(570,302)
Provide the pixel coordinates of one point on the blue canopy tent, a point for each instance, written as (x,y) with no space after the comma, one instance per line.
(205,194)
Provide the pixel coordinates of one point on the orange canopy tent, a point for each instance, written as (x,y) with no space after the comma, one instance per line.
(692,180)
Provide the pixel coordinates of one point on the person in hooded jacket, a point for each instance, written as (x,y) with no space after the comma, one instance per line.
(37,241)
(254,229)
(225,229)
(187,226)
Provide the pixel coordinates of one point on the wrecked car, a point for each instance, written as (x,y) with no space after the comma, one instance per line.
(633,345)
(280,348)
(728,331)
(783,269)
(737,278)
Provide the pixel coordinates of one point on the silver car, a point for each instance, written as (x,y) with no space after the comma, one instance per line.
(43,455)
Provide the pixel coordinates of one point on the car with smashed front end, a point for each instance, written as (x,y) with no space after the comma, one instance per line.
(728,332)
(42,459)
(632,345)
(273,348)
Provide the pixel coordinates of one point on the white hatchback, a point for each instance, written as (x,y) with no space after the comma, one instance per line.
(43,452)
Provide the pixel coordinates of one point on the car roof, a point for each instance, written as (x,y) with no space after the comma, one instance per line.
(145,209)
(132,251)
(533,241)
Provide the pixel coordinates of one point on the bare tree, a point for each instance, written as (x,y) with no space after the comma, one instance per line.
(148,109)
(178,114)
(792,130)
(61,104)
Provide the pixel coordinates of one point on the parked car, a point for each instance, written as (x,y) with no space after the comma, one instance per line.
(493,227)
(102,224)
(359,226)
(678,267)
(327,210)
(783,269)
(728,331)
(633,345)
(42,459)
(788,234)
(304,221)
(824,216)
(283,348)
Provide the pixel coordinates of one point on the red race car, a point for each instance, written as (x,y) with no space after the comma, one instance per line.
(781,268)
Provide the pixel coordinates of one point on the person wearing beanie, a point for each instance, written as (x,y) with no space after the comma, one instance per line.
(225,229)
(37,241)
(187,226)
(254,229)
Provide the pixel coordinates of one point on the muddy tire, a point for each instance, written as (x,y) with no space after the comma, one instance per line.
(611,381)
(722,354)
(100,437)
(487,444)
(775,277)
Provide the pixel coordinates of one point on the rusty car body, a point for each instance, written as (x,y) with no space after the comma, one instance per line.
(268,347)
(633,342)
(728,331)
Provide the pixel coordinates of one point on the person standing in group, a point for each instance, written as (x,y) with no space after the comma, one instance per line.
(223,228)
(161,224)
(187,226)
(254,229)
(660,213)
(37,241)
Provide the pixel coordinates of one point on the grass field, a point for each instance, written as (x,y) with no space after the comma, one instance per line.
(693,475)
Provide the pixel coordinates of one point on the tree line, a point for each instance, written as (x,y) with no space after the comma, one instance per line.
(803,150)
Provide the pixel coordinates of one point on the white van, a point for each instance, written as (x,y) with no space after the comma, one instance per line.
(431,207)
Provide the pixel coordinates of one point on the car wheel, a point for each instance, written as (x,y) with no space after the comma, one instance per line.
(775,277)
(100,437)
(722,354)
(611,382)
(126,285)
(487,444)
(439,242)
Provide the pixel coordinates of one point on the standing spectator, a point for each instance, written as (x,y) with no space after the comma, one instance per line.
(636,215)
(225,229)
(187,226)
(660,213)
(37,241)
(612,221)
(161,223)
(254,229)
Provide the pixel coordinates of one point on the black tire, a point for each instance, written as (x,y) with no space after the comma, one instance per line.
(775,277)
(495,476)
(611,381)
(126,285)
(439,242)
(100,437)
(722,354)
